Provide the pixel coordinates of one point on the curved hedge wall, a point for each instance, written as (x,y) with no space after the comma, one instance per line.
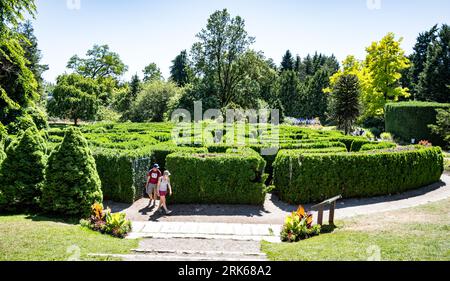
(217,178)
(123,173)
(305,178)
(410,120)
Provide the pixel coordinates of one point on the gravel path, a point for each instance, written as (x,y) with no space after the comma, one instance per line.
(274,211)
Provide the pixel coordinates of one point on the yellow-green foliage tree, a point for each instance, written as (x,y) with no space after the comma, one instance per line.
(384,63)
(379,75)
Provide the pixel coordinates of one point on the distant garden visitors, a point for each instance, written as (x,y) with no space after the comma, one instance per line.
(153,177)
(164,187)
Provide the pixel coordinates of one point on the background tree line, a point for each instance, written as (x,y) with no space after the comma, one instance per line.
(223,71)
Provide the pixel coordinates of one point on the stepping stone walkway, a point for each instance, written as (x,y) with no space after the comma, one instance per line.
(223,231)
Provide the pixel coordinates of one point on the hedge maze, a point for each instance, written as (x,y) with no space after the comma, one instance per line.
(230,166)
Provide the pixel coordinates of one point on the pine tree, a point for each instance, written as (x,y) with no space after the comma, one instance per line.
(179,71)
(344,106)
(72,182)
(287,62)
(22,172)
(434,81)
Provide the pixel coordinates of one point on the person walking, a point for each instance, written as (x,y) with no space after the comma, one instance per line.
(163,189)
(153,177)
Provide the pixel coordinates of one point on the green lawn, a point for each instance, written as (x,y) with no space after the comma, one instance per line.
(414,234)
(42,239)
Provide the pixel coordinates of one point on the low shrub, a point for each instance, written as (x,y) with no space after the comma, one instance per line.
(233,178)
(386,137)
(72,182)
(304,178)
(299,226)
(106,222)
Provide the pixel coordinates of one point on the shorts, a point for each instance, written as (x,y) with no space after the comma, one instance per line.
(150,188)
(162,193)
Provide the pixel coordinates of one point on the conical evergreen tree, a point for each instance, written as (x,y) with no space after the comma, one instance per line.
(289,93)
(344,106)
(314,100)
(72,183)
(434,81)
(22,172)
(419,57)
(287,62)
(179,71)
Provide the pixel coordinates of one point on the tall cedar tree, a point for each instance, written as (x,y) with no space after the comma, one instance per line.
(344,107)
(287,63)
(419,57)
(22,172)
(179,71)
(72,182)
(434,81)
(289,93)
(32,53)
(314,100)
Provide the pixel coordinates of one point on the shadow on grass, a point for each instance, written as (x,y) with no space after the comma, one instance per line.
(40,217)
(327,229)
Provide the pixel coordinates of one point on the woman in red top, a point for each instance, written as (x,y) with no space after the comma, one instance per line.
(152,181)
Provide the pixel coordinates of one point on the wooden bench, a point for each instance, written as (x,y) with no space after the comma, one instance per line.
(320,208)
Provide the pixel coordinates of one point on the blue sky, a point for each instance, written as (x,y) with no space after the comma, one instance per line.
(144,31)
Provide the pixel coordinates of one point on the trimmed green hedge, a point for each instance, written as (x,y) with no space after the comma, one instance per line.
(410,120)
(123,173)
(304,178)
(378,146)
(233,178)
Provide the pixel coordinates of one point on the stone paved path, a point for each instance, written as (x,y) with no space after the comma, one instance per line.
(222,232)
(274,211)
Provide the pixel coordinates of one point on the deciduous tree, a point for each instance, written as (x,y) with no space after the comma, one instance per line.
(74,97)
(100,62)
